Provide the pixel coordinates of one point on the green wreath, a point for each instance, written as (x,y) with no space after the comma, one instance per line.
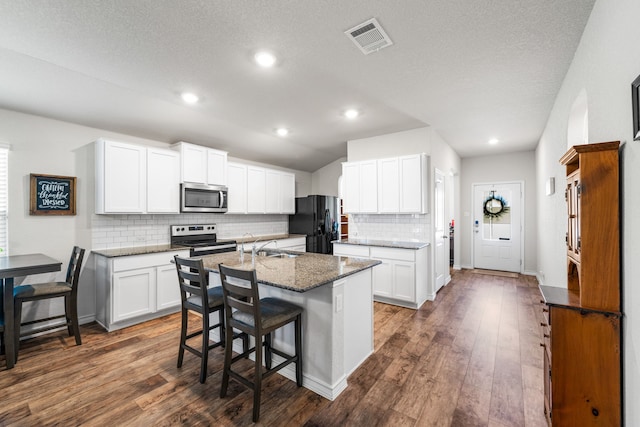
(494,207)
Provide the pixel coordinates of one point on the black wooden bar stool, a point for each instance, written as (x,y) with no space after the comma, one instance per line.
(245,311)
(196,296)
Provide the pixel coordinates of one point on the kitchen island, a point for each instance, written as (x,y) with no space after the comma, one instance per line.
(337,296)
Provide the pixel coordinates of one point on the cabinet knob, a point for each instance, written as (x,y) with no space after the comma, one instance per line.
(542,344)
(545,335)
(545,310)
(543,324)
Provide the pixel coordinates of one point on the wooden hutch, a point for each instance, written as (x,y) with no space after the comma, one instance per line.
(582,336)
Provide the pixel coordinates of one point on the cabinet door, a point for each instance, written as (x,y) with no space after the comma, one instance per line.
(369,187)
(163,181)
(288,193)
(404,281)
(383,279)
(351,187)
(237,184)
(216,167)
(124,178)
(411,184)
(194,163)
(273,202)
(256,186)
(388,186)
(133,293)
(168,290)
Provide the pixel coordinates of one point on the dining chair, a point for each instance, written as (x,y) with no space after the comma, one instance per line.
(246,312)
(39,291)
(196,296)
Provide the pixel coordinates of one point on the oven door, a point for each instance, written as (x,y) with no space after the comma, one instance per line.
(203,198)
(212,249)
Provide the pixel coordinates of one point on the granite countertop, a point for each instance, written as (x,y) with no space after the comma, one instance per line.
(138,250)
(247,239)
(385,243)
(299,274)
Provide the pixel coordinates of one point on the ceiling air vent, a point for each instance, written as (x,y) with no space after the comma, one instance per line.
(369,36)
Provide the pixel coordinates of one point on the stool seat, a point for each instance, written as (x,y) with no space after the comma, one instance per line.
(214,298)
(273,314)
(41,289)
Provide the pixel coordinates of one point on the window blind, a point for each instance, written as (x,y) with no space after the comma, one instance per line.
(4,200)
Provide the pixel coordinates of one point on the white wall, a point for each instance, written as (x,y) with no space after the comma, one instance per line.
(325,180)
(45,146)
(499,168)
(606,62)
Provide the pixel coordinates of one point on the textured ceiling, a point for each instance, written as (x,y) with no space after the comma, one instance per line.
(470,69)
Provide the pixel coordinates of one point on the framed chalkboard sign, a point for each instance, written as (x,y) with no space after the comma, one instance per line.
(52,195)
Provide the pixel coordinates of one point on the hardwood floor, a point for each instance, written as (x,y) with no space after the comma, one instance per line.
(471,358)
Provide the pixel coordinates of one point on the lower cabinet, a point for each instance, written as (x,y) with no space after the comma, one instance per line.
(133,289)
(401,278)
(582,369)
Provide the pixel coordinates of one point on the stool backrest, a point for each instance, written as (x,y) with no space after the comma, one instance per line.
(240,292)
(73,270)
(192,278)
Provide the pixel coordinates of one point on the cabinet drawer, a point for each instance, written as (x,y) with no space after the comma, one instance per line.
(395,254)
(145,261)
(351,250)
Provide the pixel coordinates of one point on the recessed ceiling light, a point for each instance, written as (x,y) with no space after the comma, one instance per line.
(493,141)
(265,59)
(190,98)
(351,114)
(282,131)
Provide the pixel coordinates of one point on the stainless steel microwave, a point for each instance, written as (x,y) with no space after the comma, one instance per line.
(203,198)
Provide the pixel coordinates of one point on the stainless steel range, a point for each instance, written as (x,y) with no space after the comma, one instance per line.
(201,239)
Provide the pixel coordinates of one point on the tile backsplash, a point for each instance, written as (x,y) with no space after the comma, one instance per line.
(390,227)
(120,231)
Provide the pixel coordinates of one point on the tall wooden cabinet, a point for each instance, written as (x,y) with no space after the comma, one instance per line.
(582,337)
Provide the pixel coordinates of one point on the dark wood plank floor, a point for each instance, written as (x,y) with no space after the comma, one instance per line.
(471,358)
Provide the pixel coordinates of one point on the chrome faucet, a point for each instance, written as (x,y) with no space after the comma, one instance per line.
(242,245)
(254,250)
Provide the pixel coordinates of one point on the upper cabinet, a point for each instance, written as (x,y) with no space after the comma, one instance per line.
(202,165)
(393,185)
(135,179)
(163,181)
(360,187)
(258,190)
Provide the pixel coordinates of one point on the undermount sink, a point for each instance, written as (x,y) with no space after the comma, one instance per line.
(274,254)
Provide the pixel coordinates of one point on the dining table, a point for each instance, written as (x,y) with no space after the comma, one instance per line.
(13,266)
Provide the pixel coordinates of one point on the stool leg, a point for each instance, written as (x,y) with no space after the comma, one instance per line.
(75,325)
(298,338)
(227,361)
(183,336)
(257,383)
(267,351)
(17,315)
(205,347)
(221,327)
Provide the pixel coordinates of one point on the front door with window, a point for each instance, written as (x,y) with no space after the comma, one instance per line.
(497,227)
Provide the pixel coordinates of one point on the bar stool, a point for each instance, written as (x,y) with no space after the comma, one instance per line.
(38,291)
(196,296)
(245,311)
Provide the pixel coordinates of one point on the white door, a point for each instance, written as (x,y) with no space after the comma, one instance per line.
(497,226)
(441,262)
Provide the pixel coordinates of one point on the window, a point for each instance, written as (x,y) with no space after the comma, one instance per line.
(4,199)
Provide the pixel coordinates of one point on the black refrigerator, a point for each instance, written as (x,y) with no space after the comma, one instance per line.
(318,218)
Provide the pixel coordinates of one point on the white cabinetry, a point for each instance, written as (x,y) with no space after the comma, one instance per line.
(258,190)
(136,179)
(237,185)
(392,185)
(402,278)
(121,171)
(133,289)
(360,187)
(163,177)
(256,186)
(202,165)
